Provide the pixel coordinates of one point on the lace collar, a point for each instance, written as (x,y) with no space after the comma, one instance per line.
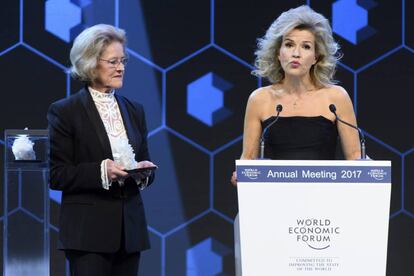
(96,95)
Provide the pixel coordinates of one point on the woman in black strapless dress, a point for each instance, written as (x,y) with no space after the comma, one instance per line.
(298,56)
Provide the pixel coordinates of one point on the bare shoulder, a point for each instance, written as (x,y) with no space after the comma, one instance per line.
(340,97)
(260,95)
(337,94)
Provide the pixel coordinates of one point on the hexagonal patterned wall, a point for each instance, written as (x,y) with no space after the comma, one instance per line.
(181,52)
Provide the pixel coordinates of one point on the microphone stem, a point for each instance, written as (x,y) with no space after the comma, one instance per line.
(361,135)
(262,138)
(363,152)
(332,108)
(261,148)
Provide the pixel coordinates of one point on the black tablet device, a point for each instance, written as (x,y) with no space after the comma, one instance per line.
(141,170)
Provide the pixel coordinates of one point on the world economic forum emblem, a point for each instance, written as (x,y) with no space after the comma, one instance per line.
(377,174)
(317,234)
(251,173)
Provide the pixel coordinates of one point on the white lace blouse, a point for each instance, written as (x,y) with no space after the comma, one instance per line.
(121,149)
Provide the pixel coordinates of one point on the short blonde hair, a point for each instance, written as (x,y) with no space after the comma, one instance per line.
(88,47)
(302,18)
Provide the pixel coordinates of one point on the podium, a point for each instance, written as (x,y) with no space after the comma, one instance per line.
(313,217)
(26,207)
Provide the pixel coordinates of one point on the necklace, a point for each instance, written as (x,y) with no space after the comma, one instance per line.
(297,100)
(295,103)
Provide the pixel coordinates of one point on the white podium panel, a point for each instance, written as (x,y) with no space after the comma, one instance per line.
(313,217)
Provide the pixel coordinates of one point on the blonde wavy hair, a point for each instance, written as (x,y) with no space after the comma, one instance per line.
(302,18)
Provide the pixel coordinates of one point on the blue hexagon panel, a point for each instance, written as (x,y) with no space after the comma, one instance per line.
(203,248)
(206,258)
(200,98)
(205,99)
(354,30)
(364,29)
(61,16)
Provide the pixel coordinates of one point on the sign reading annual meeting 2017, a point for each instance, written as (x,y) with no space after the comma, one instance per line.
(313,217)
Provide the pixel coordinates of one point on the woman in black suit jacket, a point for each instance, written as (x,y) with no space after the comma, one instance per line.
(95,135)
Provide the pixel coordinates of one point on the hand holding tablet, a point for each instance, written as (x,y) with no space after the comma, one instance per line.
(145,170)
(142,172)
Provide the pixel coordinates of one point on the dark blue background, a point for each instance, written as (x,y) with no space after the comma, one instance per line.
(191,205)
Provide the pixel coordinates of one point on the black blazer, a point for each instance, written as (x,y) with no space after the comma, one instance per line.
(92,218)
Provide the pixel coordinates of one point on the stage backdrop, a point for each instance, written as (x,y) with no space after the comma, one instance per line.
(190,64)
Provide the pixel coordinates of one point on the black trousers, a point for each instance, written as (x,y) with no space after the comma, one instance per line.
(120,263)
(103,264)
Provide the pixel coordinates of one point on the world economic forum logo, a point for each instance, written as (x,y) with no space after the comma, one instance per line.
(317,234)
(251,173)
(377,174)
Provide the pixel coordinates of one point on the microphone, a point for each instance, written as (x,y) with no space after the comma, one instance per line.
(279,109)
(332,108)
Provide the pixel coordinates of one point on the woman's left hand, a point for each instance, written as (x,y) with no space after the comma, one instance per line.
(145,164)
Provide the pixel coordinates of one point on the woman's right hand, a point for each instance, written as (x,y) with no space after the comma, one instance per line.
(233,179)
(115,172)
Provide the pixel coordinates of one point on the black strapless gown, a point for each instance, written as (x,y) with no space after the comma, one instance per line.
(301,138)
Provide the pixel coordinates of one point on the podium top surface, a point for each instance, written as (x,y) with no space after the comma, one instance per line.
(268,162)
(313,171)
